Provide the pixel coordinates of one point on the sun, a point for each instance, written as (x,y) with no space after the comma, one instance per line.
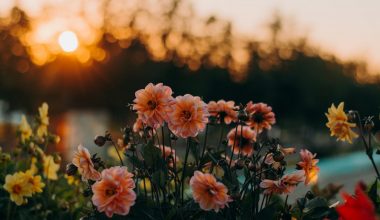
(68,41)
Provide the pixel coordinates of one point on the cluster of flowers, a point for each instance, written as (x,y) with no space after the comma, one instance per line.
(237,178)
(361,205)
(188,115)
(29,172)
(21,185)
(114,190)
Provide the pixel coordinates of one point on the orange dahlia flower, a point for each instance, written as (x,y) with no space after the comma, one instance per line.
(188,116)
(114,194)
(285,185)
(309,165)
(224,111)
(209,193)
(241,140)
(152,104)
(338,123)
(260,116)
(82,160)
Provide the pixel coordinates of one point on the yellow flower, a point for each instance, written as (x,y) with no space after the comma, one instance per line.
(33,168)
(71,180)
(113,154)
(44,120)
(25,130)
(148,185)
(339,125)
(35,182)
(18,186)
(50,168)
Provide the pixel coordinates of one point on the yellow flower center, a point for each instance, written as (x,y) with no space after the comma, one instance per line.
(16,189)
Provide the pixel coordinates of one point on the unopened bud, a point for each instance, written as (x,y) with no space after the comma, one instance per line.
(71,169)
(309,195)
(278,157)
(369,124)
(100,140)
(351,115)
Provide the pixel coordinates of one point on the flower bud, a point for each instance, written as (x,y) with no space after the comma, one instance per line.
(369,124)
(309,195)
(71,169)
(278,156)
(100,140)
(351,116)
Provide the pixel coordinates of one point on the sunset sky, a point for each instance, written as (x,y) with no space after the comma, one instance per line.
(348,28)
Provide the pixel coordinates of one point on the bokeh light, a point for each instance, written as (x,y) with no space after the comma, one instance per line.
(68,41)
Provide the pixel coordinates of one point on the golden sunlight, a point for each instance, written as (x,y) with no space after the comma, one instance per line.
(68,41)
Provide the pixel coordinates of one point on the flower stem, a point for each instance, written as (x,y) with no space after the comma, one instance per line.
(163,142)
(204,148)
(368,147)
(117,151)
(220,138)
(233,147)
(184,170)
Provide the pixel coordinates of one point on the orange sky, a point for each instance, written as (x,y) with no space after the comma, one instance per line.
(348,28)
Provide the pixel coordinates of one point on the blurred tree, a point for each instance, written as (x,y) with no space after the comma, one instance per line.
(297,80)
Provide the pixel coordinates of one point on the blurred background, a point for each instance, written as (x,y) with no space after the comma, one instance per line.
(86,58)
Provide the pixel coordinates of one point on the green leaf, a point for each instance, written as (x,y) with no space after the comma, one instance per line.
(136,161)
(159,178)
(246,206)
(152,155)
(268,212)
(194,148)
(316,208)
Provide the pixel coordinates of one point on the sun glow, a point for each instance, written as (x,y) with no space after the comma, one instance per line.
(68,41)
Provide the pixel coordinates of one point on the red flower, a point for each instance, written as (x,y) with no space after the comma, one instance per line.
(356,207)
